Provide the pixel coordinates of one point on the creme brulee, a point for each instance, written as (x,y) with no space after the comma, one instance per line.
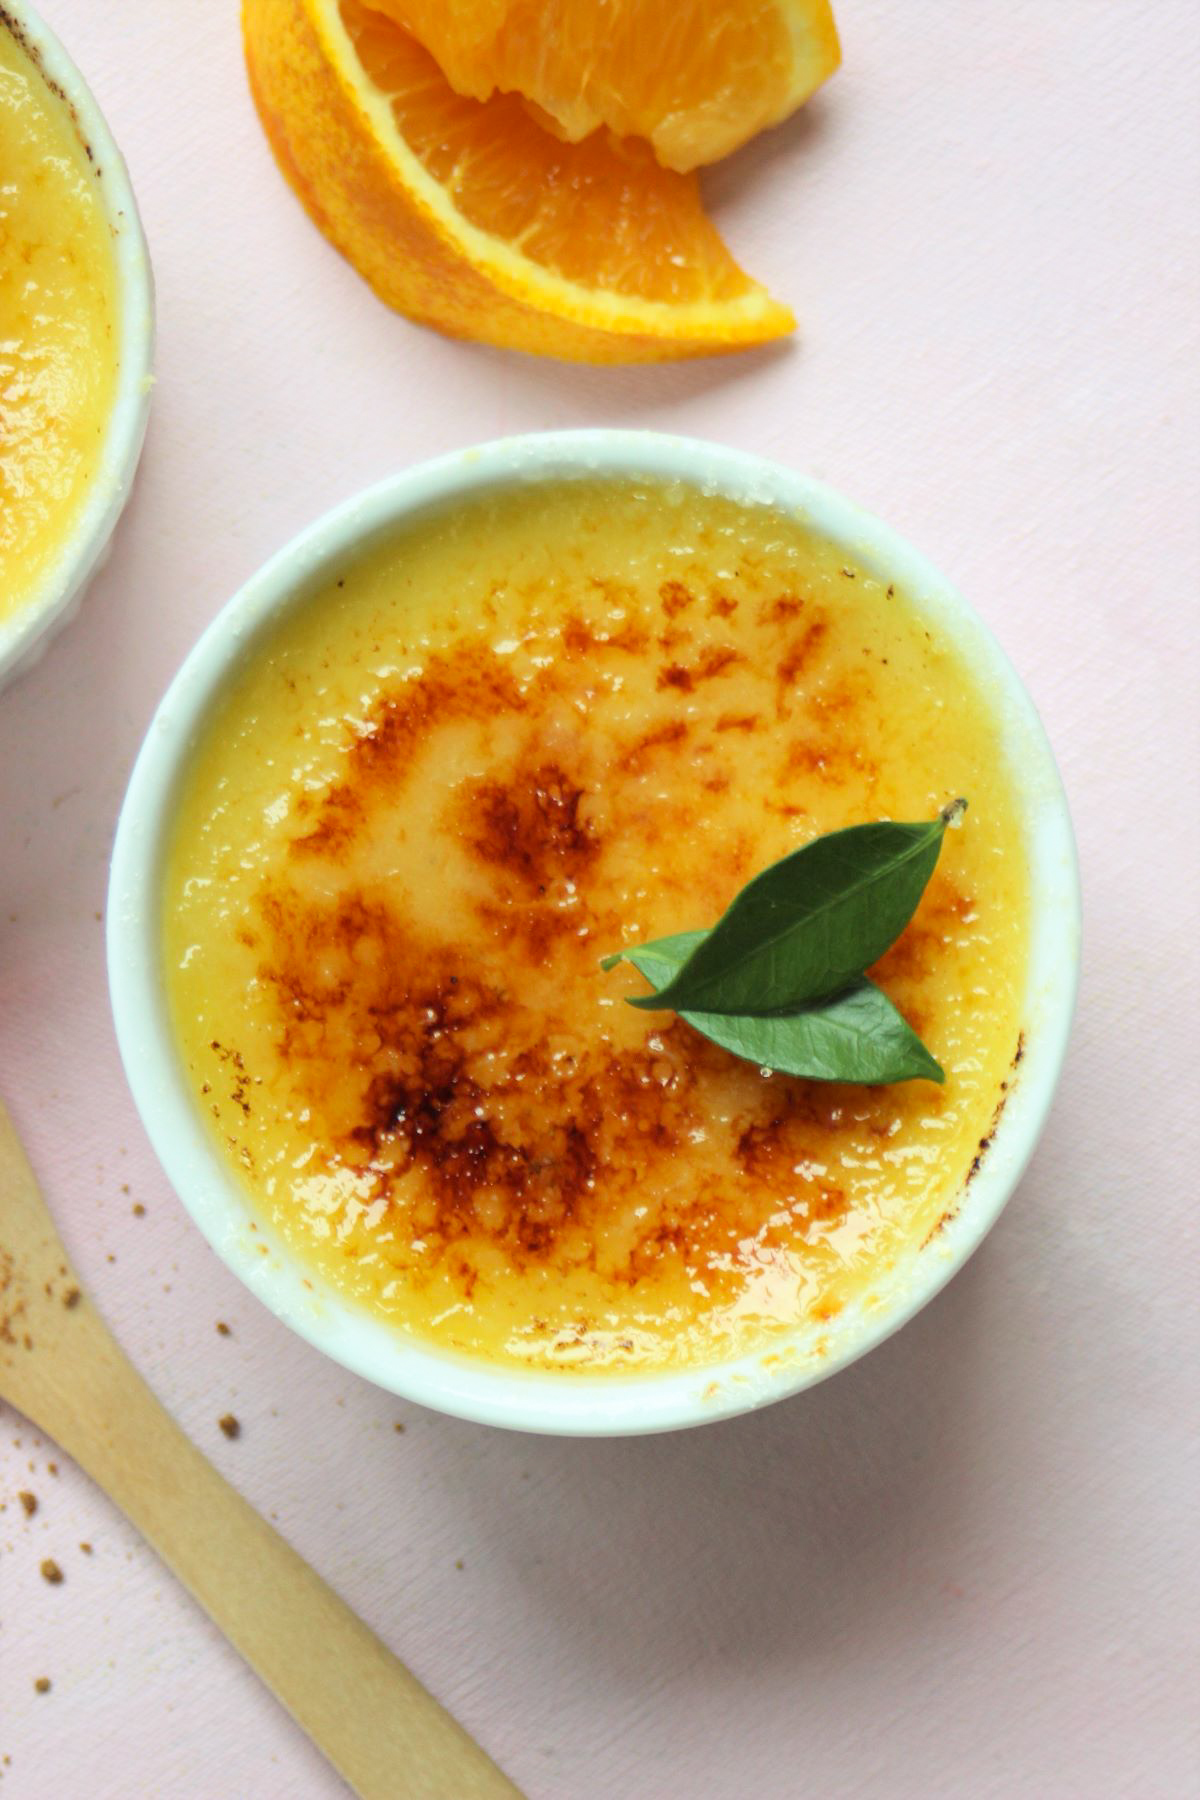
(521,733)
(58,325)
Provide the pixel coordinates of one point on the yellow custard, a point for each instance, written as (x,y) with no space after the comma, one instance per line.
(518,735)
(58,325)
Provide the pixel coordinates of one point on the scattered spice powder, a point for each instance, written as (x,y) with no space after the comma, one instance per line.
(51,1572)
(229,1425)
(28,1501)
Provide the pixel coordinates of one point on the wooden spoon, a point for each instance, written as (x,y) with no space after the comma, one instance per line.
(61,1367)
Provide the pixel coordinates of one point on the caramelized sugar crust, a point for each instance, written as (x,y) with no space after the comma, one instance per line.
(431,1080)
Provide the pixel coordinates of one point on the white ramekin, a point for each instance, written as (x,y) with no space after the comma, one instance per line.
(60,591)
(564,1402)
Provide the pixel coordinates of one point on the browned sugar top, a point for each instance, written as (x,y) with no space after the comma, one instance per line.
(574,761)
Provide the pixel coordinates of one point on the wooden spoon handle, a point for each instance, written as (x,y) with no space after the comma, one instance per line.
(374,1721)
(60,1364)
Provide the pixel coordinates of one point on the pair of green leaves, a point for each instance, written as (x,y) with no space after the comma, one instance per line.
(780,981)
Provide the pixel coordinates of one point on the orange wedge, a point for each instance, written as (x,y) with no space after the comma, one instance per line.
(695,77)
(468,216)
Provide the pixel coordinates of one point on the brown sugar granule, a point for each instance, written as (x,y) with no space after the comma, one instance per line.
(398,1426)
(52,1468)
(42,1685)
(229,1425)
(139,1211)
(86,1548)
(223,1328)
(28,1501)
(51,1572)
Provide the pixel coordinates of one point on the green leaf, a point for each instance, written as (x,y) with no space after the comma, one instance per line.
(662,959)
(856,1036)
(810,924)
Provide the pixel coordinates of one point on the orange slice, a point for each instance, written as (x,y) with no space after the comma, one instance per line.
(470,217)
(695,77)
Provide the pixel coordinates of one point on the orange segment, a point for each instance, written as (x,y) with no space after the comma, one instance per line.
(469,217)
(695,77)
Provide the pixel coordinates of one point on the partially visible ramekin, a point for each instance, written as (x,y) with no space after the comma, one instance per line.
(24,636)
(566,1402)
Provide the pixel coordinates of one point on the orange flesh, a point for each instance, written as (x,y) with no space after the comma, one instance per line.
(515,737)
(698,78)
(468,217)
(601,213)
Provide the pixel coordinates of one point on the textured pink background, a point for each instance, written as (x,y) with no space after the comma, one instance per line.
(964,1566)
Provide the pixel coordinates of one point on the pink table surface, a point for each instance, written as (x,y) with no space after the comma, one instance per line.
(963,1567)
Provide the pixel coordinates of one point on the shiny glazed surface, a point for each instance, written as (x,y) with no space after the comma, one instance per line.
(515,736)
(58,325)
